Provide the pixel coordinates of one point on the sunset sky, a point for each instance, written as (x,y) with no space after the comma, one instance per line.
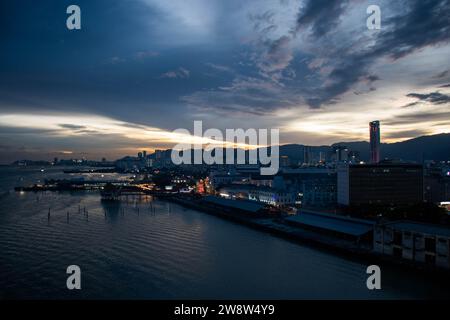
(139,69)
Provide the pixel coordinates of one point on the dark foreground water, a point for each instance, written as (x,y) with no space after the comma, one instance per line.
(128,251)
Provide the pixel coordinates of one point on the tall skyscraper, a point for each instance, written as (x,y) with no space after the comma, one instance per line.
(375,141)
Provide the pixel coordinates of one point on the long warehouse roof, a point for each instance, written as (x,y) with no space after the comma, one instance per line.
(337,223)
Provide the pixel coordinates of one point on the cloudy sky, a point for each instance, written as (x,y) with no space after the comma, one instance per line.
(138,69)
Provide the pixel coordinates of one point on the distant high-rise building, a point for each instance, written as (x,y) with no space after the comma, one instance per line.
(144,153)
(284,161)
(341,154)
(375,141)
(307,155)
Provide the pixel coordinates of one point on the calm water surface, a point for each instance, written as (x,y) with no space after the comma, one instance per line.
(129,251)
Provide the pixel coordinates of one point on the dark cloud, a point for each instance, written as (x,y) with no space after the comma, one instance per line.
(272,53)
(90,132)
(445,85)
(80,129)
(425,23)
(372,78)
(26,131)
(132,125)
(370,89)
(320,15)
(260,65)
(277,56)
(72,126)
(264,89)
(264,22)
(245,95)
(433,98)
(406,134)
(420,116)
(442,74)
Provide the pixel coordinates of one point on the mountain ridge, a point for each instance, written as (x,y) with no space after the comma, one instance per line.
(430,147)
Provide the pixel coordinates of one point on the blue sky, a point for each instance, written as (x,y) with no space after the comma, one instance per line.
(139,69)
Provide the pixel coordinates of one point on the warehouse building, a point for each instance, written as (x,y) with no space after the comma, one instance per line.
(355,230)
(418,242)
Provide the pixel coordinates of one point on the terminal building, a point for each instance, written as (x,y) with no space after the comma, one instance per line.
(383,183)
(267,195)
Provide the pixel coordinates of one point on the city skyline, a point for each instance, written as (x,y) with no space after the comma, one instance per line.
(213,158)
(138,70)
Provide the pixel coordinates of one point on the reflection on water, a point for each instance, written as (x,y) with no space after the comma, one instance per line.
(112,209)
(145,248)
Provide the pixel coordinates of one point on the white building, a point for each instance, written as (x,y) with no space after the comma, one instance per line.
(268,195)
(272,196)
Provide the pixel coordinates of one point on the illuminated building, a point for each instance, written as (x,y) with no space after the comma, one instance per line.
(375,141)
(201,186)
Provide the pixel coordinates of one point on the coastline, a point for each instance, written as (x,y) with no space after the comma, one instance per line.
(278,227)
